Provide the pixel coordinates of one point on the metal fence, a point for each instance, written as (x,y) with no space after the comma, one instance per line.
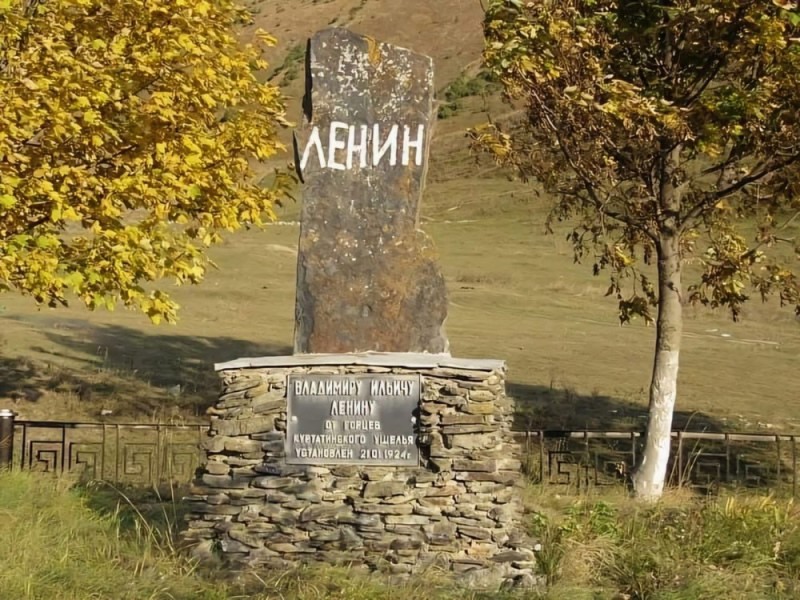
(130,453)
(700,460)
(573,460)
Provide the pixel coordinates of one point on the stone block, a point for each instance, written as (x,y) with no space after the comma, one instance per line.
(213,444)
(246,537)
(384,489)
(489,466)
(478,533)
(406,543)
(452,431)
(217,468)
(509,556)
(287,548)
(382,509)
(242,384)
(461,419)
(215,499)
(409,519)
(242,445)
(325,535)
(257,391)
(444,491)
(481,396)
(440,534)
(322,513)
(235,427)
(230,546)
(427,511)
(224,481)
(231,400)
(479,408)
(273,483)
(501,477)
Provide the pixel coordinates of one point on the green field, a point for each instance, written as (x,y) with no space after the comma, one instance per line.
(514,294)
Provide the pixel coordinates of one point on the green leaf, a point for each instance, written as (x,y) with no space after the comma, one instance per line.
(46,241)
(73,280)
(7,201)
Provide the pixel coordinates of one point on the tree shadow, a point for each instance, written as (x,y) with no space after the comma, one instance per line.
(581,441)
(157,512)
(545,408)
(122,374)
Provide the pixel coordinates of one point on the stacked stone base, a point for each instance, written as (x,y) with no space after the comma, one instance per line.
(459,510)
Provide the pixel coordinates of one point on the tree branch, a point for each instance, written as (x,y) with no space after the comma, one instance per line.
(717,61)
(584,177)
(711,199)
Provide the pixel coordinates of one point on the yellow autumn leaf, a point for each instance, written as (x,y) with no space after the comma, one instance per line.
(102,146)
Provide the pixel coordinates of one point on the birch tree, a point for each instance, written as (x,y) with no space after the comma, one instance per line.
(128,130)
(666,131)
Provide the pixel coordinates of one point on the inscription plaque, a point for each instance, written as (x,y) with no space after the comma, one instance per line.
(365,419)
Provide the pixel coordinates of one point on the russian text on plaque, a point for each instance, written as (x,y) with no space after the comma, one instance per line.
(352,419)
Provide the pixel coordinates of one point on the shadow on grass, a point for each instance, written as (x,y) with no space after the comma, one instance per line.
(712,458)
(124,373)
(542,408)
(156,512)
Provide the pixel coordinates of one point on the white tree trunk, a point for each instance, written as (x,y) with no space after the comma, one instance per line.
(650,475)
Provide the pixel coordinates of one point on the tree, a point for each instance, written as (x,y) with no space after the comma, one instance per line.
(128,129)
(667,131)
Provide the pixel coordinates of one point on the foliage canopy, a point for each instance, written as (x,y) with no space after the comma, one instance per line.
(667,132)
(650,118)
(128,131)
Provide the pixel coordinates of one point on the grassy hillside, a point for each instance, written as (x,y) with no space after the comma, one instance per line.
(514,292)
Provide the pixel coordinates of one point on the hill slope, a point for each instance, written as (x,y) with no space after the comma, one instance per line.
(514,293)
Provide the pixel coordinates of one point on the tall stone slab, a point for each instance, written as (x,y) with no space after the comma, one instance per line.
(367,279)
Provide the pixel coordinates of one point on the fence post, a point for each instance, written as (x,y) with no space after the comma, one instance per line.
(6,437)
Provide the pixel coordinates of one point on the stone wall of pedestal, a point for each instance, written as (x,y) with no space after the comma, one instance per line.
(459,509)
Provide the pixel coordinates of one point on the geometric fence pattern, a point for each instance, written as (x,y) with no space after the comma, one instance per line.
(699,460)
(150,454)
(136,454)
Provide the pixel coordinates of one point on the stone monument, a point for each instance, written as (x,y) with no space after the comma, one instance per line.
(371,445)
(366,279)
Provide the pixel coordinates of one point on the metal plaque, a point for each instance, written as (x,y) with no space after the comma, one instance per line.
(359,419)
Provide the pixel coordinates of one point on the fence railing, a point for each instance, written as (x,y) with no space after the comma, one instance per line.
(136,453)
(131,453)
(701,460)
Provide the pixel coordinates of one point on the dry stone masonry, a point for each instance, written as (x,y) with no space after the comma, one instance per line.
(457,508)
(371,445)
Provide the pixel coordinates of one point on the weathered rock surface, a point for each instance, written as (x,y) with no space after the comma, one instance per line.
(367,279)
(457,508)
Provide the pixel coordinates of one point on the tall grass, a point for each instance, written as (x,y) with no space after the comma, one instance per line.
(739,547)
(54,545)
(63,542)
(60,541)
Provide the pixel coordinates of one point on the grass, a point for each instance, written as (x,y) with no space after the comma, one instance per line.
(64,541)
(56,546)
(684,548)
(514,294)
(291,66)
